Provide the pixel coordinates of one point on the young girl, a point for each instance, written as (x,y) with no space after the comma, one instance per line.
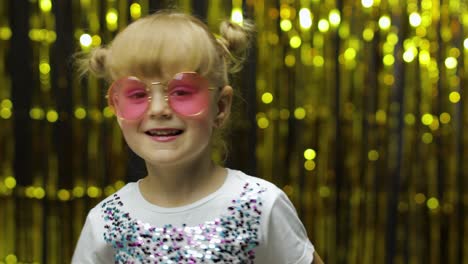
(170,93)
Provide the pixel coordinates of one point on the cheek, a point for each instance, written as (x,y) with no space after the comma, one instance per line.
(201,128)
(125,127)
(128,131)
(213,110)
(204,125)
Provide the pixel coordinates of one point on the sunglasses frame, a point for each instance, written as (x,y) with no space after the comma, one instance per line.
(149,90)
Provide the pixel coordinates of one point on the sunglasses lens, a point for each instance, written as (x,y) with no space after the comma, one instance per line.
(188,94)
(129,97)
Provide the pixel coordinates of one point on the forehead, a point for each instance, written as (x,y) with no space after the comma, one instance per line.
(185,78)
(165,46)
(164,79)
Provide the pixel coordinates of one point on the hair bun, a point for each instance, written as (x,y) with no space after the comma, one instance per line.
(236,40)
(97,61)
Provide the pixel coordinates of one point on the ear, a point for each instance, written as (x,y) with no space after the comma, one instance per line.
(224,103)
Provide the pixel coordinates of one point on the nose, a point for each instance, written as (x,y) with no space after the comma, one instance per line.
(159,106)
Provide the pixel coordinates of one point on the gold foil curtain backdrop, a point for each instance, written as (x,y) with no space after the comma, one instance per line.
(7,182)
(72,144)
(359,117)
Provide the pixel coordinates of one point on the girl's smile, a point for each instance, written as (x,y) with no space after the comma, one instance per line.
(164,134)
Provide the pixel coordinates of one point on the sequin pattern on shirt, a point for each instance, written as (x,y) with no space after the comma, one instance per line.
(231,238)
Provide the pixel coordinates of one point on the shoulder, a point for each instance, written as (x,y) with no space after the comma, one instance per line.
(282,235)
(270,197)
(258,184)
(273,197)
(124,194)
(91,246)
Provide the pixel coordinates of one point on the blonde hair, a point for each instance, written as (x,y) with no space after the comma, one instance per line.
(168,42)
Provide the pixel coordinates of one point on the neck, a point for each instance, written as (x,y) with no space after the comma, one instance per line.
(181,184)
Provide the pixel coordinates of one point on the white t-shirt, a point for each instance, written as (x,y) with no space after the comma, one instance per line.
(247,220)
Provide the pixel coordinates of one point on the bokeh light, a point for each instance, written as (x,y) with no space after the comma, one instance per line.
(385,22)
(305,18)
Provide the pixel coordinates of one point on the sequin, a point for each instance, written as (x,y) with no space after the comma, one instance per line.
(231,238)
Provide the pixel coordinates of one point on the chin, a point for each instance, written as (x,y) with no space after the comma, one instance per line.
(161,158)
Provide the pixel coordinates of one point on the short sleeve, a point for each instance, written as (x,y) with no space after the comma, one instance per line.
(284,238)
(91,247)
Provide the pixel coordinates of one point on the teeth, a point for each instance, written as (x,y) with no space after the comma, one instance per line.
(163,132)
